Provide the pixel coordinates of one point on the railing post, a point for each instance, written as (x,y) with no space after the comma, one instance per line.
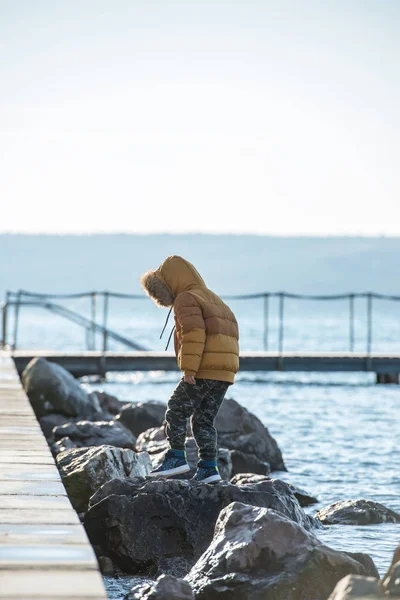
(4,319)
(281,326)
(369,330)
(351,321)
(369,321)
(105,321)
(93,320)
(16,319)
(266,321)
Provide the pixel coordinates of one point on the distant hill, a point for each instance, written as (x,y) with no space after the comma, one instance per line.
(229,264)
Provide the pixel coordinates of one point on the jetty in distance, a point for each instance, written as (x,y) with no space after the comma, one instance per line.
(135,357)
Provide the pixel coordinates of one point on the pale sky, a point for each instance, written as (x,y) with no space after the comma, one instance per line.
(264,116)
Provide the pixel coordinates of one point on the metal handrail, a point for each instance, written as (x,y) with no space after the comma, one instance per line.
(289,295)
(90,325)
(26,298)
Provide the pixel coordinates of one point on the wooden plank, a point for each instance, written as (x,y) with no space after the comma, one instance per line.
(71,556)
(51,583)
(44,550)
(31,472)
(37,502)
(48,535)
(32,458)
(34,488)
(31,516)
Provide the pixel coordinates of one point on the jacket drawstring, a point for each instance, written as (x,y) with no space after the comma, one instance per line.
(169,339)
(166,323)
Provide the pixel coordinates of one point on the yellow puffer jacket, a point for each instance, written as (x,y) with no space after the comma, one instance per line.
(206,330)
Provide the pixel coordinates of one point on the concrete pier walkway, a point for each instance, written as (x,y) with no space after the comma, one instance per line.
(44,550)
(98,363)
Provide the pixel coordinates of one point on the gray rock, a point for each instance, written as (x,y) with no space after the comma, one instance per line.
(152,440)
(356,586)
(92,433)
(61,446)
(391,581)
(357,512)
(106,565)
(48,422)
(109,404)
(239,429)
(85,470)
(166,587)
(366,561)
(145,525)
(224,463)
(259,553)
(52,389)
(304,498)
(248,479)
(248,463)
(142,416)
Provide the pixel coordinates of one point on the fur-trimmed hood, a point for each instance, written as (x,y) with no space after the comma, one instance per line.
(174,276)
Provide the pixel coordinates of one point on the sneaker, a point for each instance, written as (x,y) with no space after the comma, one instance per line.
(173,464)
(207,474)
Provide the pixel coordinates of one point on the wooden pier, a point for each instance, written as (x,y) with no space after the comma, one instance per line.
(44,550)
(386,367)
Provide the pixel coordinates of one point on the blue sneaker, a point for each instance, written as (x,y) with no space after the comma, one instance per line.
(174,463)
(207,474)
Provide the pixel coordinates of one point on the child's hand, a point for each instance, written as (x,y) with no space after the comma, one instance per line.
(189,379)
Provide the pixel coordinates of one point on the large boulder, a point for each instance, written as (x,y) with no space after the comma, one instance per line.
(52,389)
(150,526)
(166,587)
(304,498)
(248,463)
(92,433)
(260,553)
(85,470)
(356,586)
(239,429)
(142,416)
(357,512)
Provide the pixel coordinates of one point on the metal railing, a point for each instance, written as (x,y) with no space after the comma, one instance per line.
(24,298)
(368,296)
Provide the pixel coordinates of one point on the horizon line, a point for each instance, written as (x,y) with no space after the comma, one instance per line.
(199,233)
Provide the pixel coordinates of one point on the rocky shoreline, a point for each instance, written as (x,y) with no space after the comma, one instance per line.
(246,538)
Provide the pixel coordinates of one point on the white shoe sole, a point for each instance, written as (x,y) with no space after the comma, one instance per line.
(170,472)
(211,479)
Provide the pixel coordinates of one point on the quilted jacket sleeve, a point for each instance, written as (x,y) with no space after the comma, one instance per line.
(191,333)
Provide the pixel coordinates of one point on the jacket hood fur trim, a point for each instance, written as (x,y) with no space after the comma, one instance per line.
(157,289)
(174,276)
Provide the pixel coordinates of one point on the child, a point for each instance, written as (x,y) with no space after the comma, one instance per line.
(207,350)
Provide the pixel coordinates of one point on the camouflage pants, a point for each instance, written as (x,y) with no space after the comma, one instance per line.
(200,402)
